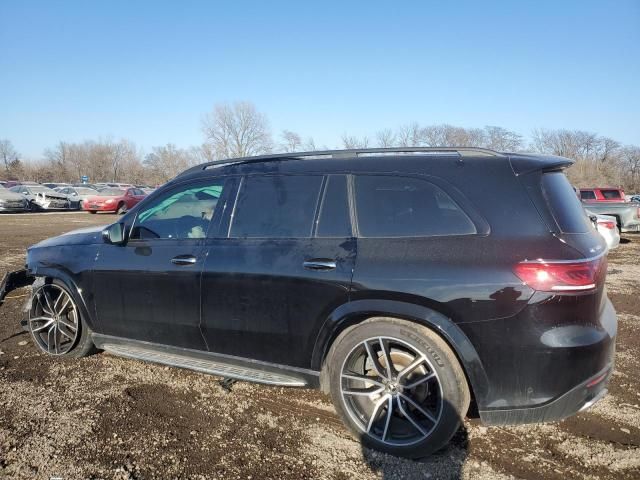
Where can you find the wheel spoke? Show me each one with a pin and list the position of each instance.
(47, 299)
(389, 415)
(418, 407)
(47, 323)
(70, 325)
(70, 335)
(64, 305)
(424, 379)
(384, 345)
(50, 341)
(409, 416)
(365, 392)
(376, 410)
(411, 367)
(42, 305)
(374, 359)
(362, 378)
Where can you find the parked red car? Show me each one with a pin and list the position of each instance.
(113, 200)
(607, 194)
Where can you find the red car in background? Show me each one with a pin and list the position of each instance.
(113, 200)
(605, 194)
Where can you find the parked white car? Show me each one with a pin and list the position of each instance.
(608, 227)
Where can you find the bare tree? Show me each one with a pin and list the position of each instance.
(237, 130)
(410, 135)
(350, 142)
(8, 154)
(310, 145)
(291, 141)
(386, 138)
(501, 139)
(165, 162)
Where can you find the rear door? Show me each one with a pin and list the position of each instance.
(284, 264)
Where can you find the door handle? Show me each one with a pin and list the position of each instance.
(320, 264)
(183, 260)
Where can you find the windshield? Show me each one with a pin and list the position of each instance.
(86, 191)
(111, 192)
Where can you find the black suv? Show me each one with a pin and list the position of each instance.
(413, 285)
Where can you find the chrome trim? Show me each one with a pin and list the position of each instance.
(599, 396)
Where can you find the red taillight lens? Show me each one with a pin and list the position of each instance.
(549, 276)
(610, 224)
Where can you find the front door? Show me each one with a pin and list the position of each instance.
(149, 288)
(285, 264)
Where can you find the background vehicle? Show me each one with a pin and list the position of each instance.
(113, 200)
(40, 197)
(627, 214)
(53, 186)
(607, 226)
(11, 201)
(77, 195)
(608, 194)
(635, 198)
(391, 281)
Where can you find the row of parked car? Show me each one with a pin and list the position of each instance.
(611, 212)
(99, 197)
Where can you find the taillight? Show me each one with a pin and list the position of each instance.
(560, 276)
(610, 224)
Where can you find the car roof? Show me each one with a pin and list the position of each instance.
(383, 159)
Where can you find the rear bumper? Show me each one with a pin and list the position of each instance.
(575, 400)
(13, 280)
(549, 361)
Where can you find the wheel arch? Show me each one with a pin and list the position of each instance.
(47, 275)
(357, 311)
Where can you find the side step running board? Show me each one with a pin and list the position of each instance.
(197, 361)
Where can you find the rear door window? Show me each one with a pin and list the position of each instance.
(276, 206)
(395, 206)
(564, 204)
(334, 219)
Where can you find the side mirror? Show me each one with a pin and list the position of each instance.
(113, 234)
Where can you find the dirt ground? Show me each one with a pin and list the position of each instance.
(104, 417)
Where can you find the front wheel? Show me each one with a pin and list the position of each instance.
(398, 386)
(55, 323)
(122, 209)
(92, 211)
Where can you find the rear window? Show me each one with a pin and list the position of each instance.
(564, 204)
(611, 194)
(394, 206)
(587, 195)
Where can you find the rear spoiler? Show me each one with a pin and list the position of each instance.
(522, 164)
(14, 280)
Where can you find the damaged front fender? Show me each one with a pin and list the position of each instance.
(14, 280)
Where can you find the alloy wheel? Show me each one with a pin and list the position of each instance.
(391, 391)
(53, 320)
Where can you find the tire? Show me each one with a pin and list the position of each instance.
(41, 324)
(122, 209)
(427, 401)
(32, 207)
(80, 205)
(92, 212)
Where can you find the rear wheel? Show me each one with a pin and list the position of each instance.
(92, 211)
(398, 386)
(55, 323)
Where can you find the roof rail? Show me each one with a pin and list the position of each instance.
(358, 152)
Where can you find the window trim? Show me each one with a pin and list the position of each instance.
(478, 221)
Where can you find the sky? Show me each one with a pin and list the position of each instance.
(149, 70)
